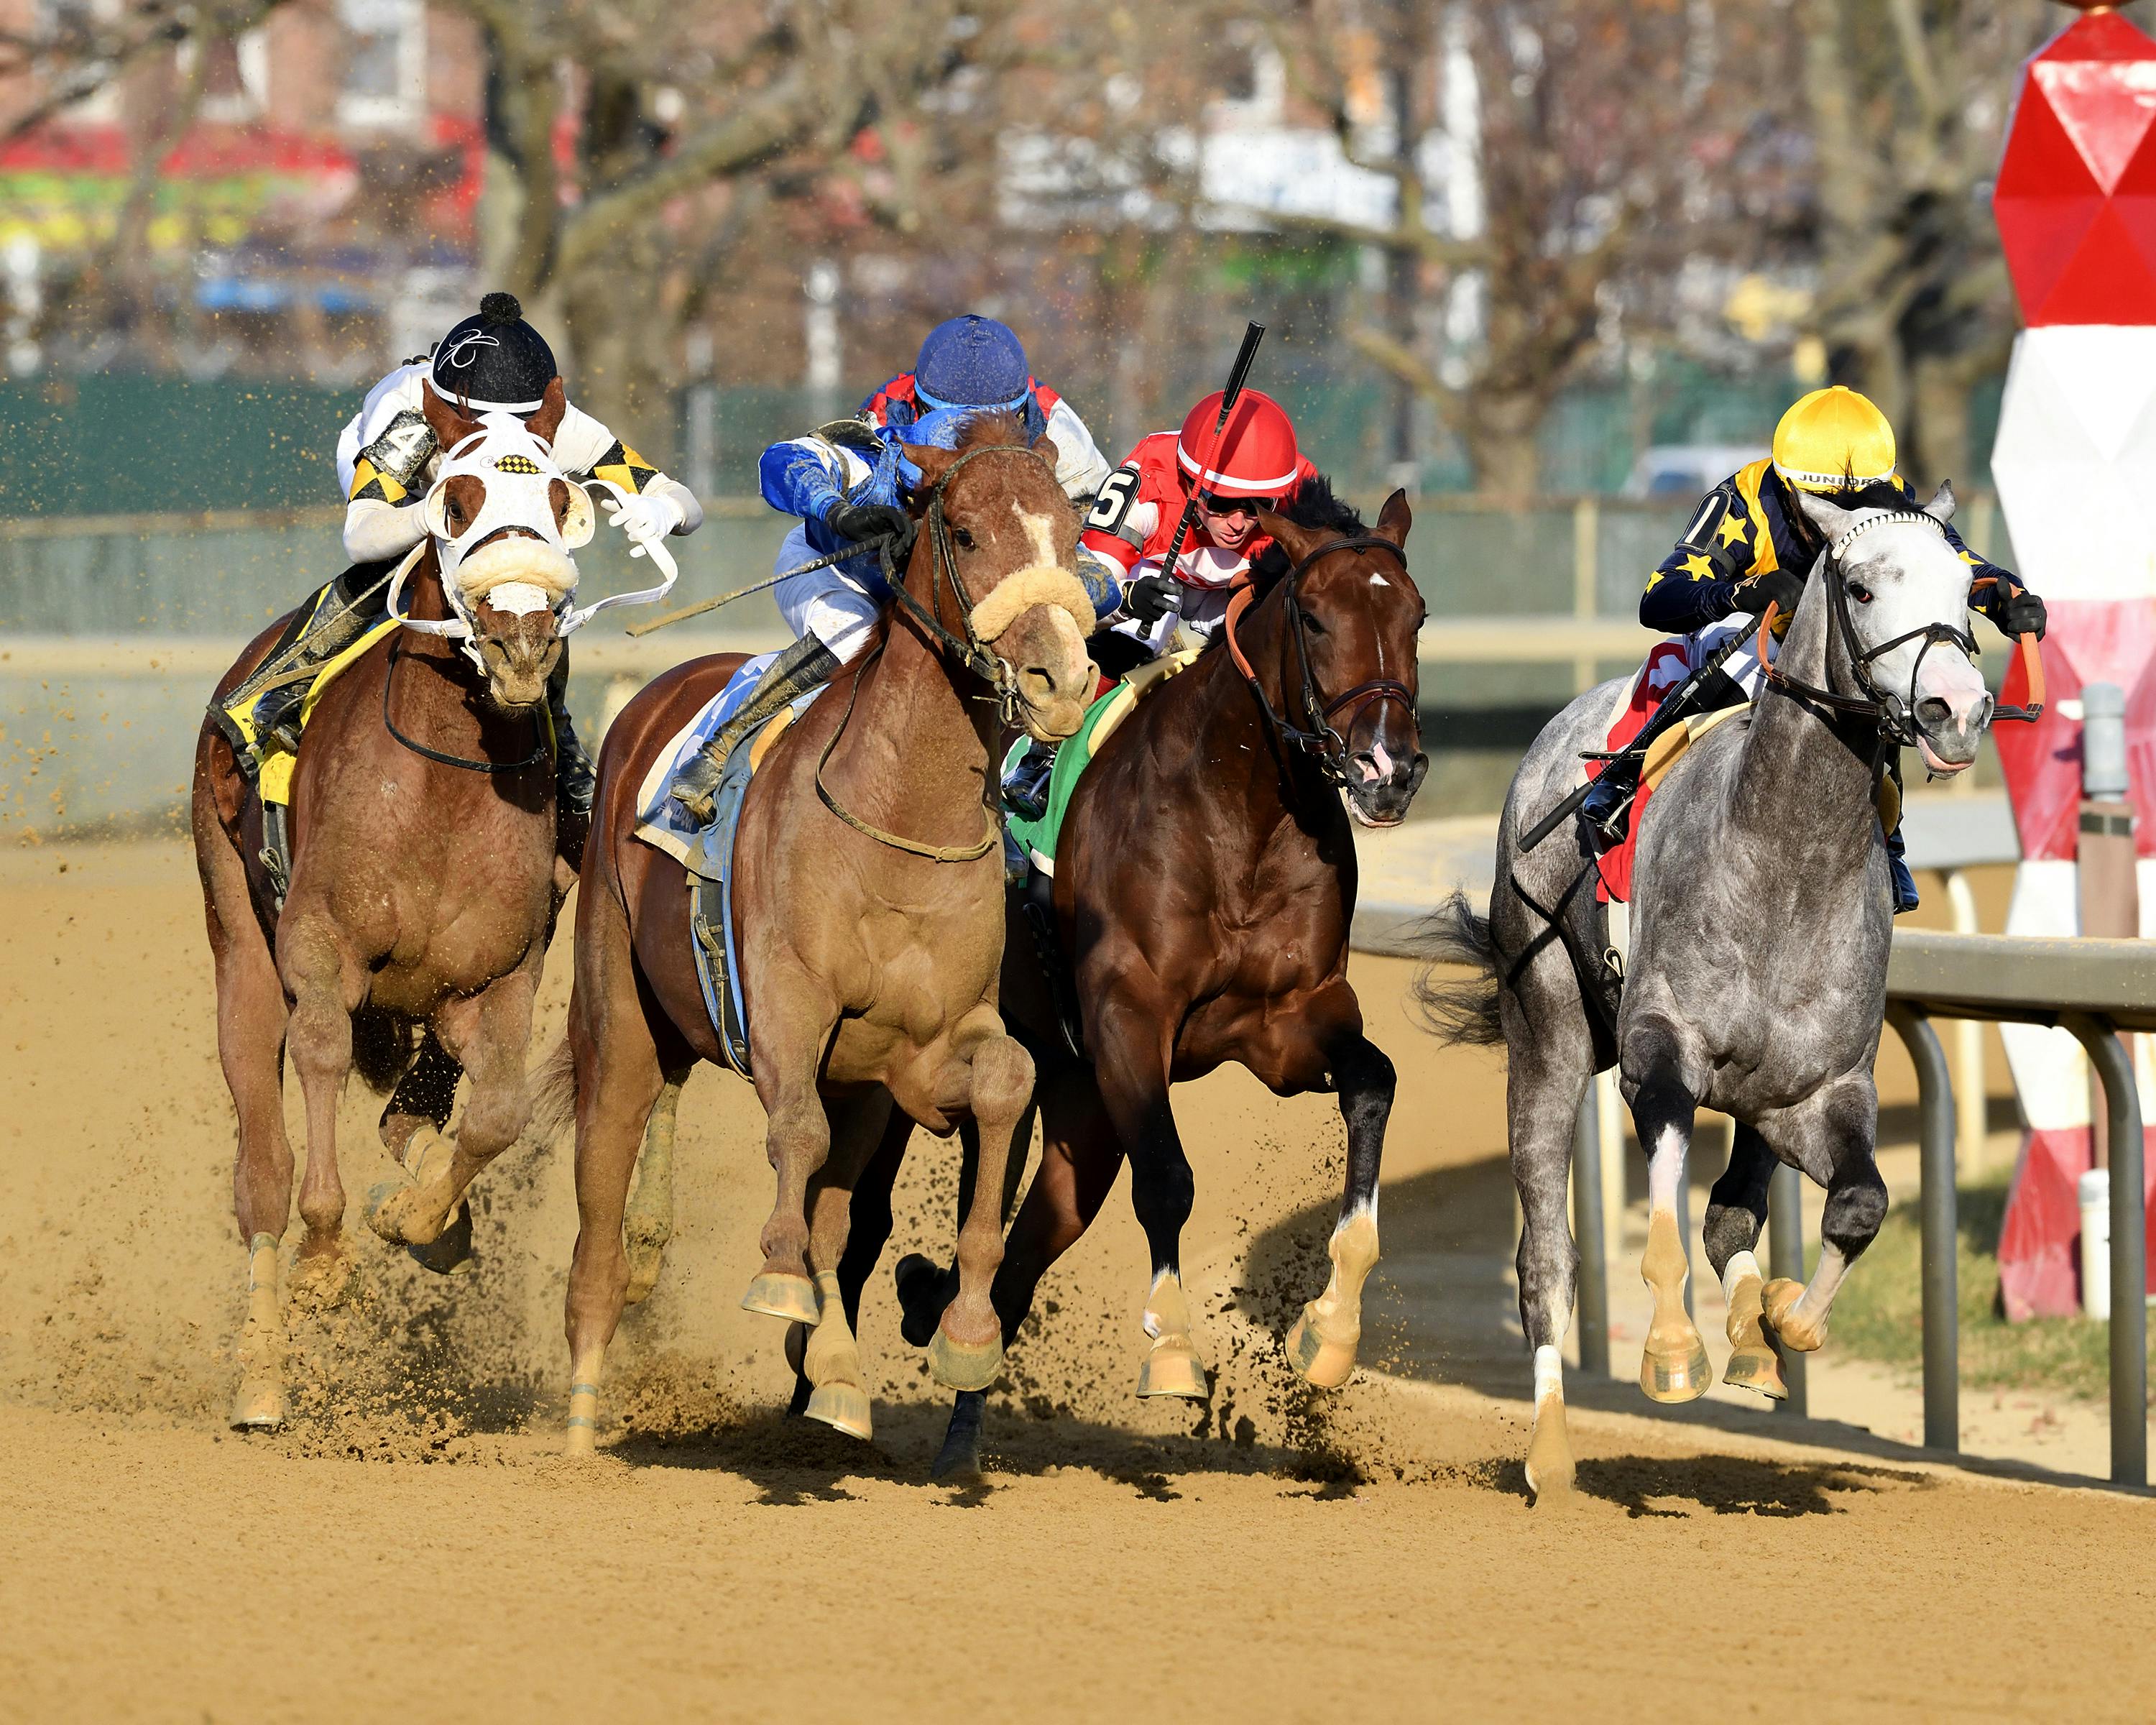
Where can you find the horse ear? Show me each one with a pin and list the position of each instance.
(1941, 508)
(1395, 519)
(546, 420)
(1831, 519)
(1296, 541)
(1045, 447)
(933, 463)
(450, 426)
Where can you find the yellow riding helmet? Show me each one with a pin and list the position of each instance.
(1834, 439)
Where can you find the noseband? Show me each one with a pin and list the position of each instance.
(1318, 738)
(1892, 711)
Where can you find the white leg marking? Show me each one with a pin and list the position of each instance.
(1740, 1265)
(1549, 1374)
(1819, 1292)
(1665, 1171)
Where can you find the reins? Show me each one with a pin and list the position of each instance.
(539, 752)
(972, 653)
(1894, 716)
(1321, 741)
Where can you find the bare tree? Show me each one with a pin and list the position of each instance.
(1908, 113)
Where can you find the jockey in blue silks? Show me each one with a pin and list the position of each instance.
(849, 481)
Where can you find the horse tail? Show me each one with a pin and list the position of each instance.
(1458, 1010)
(553, 1088)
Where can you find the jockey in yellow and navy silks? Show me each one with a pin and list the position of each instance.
(491, 364)
(1749, 541)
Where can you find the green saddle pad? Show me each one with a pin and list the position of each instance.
(1072, 757)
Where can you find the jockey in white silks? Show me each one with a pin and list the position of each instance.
(848, 482)
(491, 364)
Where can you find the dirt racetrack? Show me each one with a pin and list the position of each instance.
(412, 1544)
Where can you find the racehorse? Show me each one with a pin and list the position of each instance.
(422, 886)
(1215, 929)
(868, 892)
(1756, 982)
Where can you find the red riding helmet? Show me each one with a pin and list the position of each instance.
(1254, 455)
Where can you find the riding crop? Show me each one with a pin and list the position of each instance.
(701, 605)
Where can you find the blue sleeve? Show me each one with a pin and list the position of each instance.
(796, 478)
(1696, 584)
(1098, 577)
(2006, 583)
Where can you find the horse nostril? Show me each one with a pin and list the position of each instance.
(1934, 712)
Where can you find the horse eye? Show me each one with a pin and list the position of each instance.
(962, 537)
(1312, 624)
(1859, 592)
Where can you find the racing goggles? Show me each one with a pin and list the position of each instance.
(1217, 503)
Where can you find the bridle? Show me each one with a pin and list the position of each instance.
(1891, 711)
(972, 653)
(1318, 738)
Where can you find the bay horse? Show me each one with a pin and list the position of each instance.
(869, 894)
(1756, 980)
(1204, 887)
(423, 883)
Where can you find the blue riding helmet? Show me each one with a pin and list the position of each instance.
(972, 361)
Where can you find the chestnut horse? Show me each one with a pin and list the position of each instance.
(424, 882)
(1215, 929)
(869, 894)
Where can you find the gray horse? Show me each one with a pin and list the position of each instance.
(1756, 982)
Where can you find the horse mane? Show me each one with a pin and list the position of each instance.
(994, 430)
(1314, 505)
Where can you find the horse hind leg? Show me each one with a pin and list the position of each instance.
(648, 1224)
(1673, 1366)
(1542, 1091)
(415, 1116)
(1735, 1211)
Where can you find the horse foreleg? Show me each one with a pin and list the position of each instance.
(487, 1033)
(649, 1222)
(1830, 1136)
(826, 1358)
(1322, 1342)
(424, 1096)
(325, 991)
(1673, 1367)
(968, 1350)
(1735, 1211)
(250, 1046)
(797, 1140)
(1133, 1044)
(868, 1231)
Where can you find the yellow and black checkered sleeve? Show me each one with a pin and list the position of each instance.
(370, 483)
(623, 466)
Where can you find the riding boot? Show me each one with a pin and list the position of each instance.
(340, 616)
(1897, 870)
(1025, 790)
(575, 777)
(1608, 800)
(803, 666)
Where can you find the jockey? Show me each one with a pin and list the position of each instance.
(1750, 542)
(1254, 464)
(850, 482)
(491, 363)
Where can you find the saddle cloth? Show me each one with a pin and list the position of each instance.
(1038, 838)
(1666, 666)
(707, 852)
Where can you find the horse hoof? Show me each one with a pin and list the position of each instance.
(646, 1257)
(958, 1462)
(1550, 1470)
(843, 1407)
(1318, 1360)
(918, 1280)
(1679, 1376)
(963, 1365)
(321, 1281)
(792, 1298)
(1754, 1366)
(1779, 1297)
(394, 1212)
(1172, 1369)
(451, 1250)
(258, 1404)
(581, 1440)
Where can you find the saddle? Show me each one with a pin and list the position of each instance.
(706, 850)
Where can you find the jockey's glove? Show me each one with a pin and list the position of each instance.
(644, 515)
(1151, 598)
(861, 521)
(1775, 587)
(2022, 615)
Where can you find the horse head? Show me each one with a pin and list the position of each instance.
(1900, 593)
(1355, 612)
(504, 519)
(994, 509)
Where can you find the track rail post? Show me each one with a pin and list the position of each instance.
(1785, 1256)
(2129, 1248)
(1939, 1208)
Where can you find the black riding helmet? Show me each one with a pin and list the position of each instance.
(493, 362)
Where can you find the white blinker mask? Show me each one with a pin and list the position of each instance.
(521, 573)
